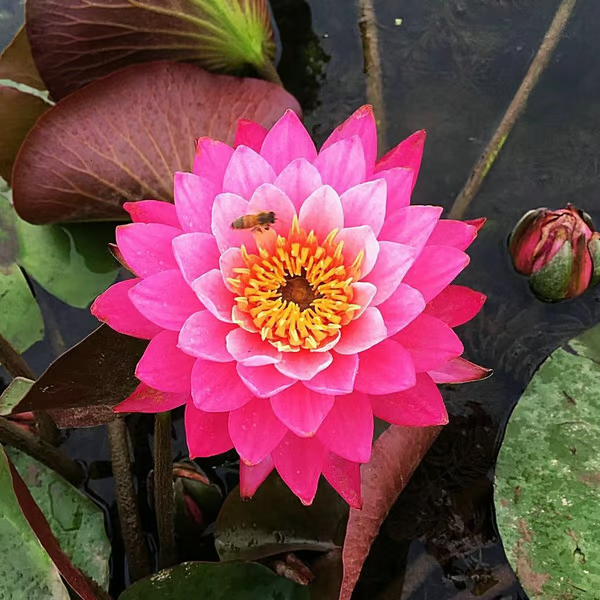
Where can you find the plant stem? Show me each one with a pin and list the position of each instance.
(129, 516)
(514, 111)
(37, 448)
(268, 72)
(163, 490)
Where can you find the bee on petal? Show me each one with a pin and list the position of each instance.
(257, 222)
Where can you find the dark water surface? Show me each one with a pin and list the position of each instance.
(451, 67)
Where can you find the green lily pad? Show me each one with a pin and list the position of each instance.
(548, 476)
(76, 521)
(216, 581)
(27, 571)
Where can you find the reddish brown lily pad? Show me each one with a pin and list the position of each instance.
(17, 63)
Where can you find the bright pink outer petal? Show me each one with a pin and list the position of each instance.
(206, 433)
(286, 141)
(322, 212)
(385, 369)
(211, 159)
(419, 406)
(268, 197)
(252, 476)
(362, 294)
(229, 260)
(431, 342)
(226, 209)
(194, 197)
(477, 223)
(393, 262)
(195, 253)
(434, 269)
(303, 365)
(246, 171)
(360, 123)
(401, 308)
(114, 308)
(250, 349)
(406, 154)
(301, 409)
(337, 378)
(348, 428)
(249, 134)
(211, 290)
(365, 204)
(299, 180)
(344, 478)
(411, 225)
(255, 430)
(299, 462)
(146, 247)
(144, 399)
(459, 370)
(453, 233)
(216, 387)
(166, 299)
(152, 211)
(342, 165)
(399, 187)
(203, 336)
(456, 305)
(362, 333)
(357, 239)
(264, 382)
(164, 366)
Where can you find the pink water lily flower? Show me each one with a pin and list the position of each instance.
(285, 343)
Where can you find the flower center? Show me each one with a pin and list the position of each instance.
(298, 292)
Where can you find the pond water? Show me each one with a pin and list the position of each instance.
(450, 67)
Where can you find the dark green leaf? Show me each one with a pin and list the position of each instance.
(9, 242)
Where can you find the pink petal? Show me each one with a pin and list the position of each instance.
(244, 320)
(268, 198)
(246, 171)
(226, 209)
(249, 134)
(401, 308)
(434, 269)
(456, 305)
(399, 187)
(250, 349)
(322, 212)
(152, 211)
(299, 180)
(264, 382)
(146, 247)
(203, 336)
(194, 197)
(362, 333)
(166, 299)
(229, 260)
(385, 369)
(303, 365)
(164, 366)
(300, 462)
(459, 370)
(411, 226)
(195, 253)
(212, 292)
(255, 430)
(338, 377)
(252, 476)
(477, 223)
(114, 308)
(344, 478)
(365, 204)
(419, 406)
(211, 160)
(286, 141)
(362, 294)
(348, 429)
(342, 165)
(406, 154)
(356, 239)
(216, 387)
(453, 233)
(431, 342)
(206, 433)
(144, 399)
(301, 409)
(393, 262)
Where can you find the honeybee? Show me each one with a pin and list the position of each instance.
(257, 222)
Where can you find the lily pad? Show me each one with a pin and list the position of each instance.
(548, 476)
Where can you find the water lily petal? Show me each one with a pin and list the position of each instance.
(322, 212)
(299, 180)
(407, 153)
(203, 336)
(303, 365)
(344, 478)
(399, 187)
(195, 253)
(338, 377)
(211, 160)
(246, 171)
(411, 225)
(401, 308)
(269, 198)
(206, 433)
(365, 204)
(459, 370)
(152, 211)
(226, 209)
(362, 333)
(251, 476)
(453, 233)
(249, 133)
(362, 294)
(194, 197)
(456, 305)
(145, 399)
(216, 387)
(250, 349)
(357, 239)
(342, 165)
(211, 290)
(264, 382)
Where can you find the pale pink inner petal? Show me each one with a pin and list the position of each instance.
(299, 180)
(243, 319)
(145, 399)
(453, 233)
(365, 204)
(211, 159)
(456, 305)
(229, 260)
(362, 294)
(216, 387)
(211, 291)
(411, 226)
(246, 171)
(152, 211)
(268, 198)
(362, 333)
(226, 209)
(264, 381)
(407, 153)
(249, 133)
(203, 336)
(357, 239)
(303, 365)
(338, 377)
(322, 212)
(194, 197)
(195, 253)
(401, 308)
(344, 478)
(459, 370)
(206, 433)
(250, 349)
(342, 165)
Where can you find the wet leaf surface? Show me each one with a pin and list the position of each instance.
(13, 394)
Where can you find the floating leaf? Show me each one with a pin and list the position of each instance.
(15, 392)
(216, 581)
(16, 63)
(547, 492)
(9, 242)
(83, 159)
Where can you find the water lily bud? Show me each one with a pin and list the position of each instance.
(558, 250)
